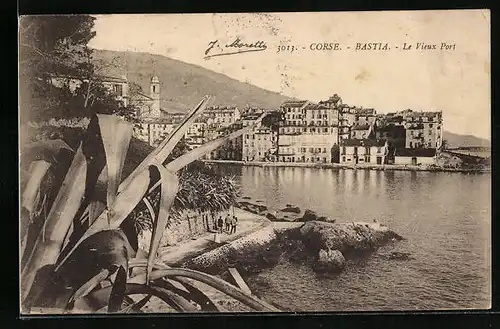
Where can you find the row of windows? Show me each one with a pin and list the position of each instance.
(311, 130)
(304, 149)
(355, 150)
(303, 159)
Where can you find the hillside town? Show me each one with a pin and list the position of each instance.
(329, 131)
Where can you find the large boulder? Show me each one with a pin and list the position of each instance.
(329, 261)
(346, 237)
(309, 215)
(292, 209)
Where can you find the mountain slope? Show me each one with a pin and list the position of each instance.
(182, 85)
(456, 140)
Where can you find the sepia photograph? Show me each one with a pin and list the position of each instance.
(255, 162)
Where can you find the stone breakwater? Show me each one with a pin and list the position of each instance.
(322, 245)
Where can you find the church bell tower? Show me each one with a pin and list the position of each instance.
(154, 92)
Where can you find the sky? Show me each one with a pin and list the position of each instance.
(456, 81)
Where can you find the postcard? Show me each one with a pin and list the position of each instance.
(255, 162)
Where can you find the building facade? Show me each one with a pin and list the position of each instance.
(363, 151)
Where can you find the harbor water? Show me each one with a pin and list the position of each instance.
(445, 219)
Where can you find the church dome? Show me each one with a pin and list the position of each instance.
(155, 79)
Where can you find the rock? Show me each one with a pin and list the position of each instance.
(270, 216)
(246, 197)
(325, 219)
(289, 205)
(295, 210)
(309, 215)
(329, 261)
(346, 237)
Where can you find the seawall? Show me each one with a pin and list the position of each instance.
(353, 167)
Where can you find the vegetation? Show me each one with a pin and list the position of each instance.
(84, 234)
(83, 200)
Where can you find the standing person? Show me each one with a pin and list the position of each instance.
(228, 222)
(205, 218)
(220, 224)
(234, 222)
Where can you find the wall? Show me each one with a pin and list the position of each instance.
(400, 160)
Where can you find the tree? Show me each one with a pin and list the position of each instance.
(444, 144)
(59, 77)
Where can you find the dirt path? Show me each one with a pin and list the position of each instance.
(247, 223)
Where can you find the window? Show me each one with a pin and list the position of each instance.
(343, 159)
(118, 89)
(430, 125)
(311, 150)
(324, 149)
(343, 150)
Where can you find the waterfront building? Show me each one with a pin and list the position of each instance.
(195, 135)
(415, 156)
(347, 117)
(365, 116)
(222, 115)
(363, 131)
(309, 131)
(424, 129)
(258, 144)
(232, 149)
(363, 151)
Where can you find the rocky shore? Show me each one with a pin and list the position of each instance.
(322, 245)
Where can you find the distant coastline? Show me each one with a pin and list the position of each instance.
(357, 167)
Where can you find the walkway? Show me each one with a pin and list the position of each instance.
(247, 223)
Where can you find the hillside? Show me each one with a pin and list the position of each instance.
(456, 140)
(183, 85)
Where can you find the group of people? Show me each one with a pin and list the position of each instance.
(230, 223)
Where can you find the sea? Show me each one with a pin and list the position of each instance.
(444, 217)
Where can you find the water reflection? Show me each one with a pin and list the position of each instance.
(445, 218)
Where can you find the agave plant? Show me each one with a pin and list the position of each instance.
(81, 234)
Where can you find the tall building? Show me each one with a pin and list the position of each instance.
(309, 131)
(223, 116)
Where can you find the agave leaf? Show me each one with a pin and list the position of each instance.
(86, 288)
(98, 299)
(30, 191)
(203, 300)
(43, 150)
(126, 201)
(136, 306)
(160, 154)
(169, 188)
(58, 221)
(116, 134)
(118, 290)
(214, 282)
(198, 152)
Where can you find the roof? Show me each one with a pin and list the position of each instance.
(141, 95)
(415, 152)
(360, 127)
(217, 109)
(361, 111)
(363, 142)
(293, 103)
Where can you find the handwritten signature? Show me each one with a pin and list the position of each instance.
(236, 47)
